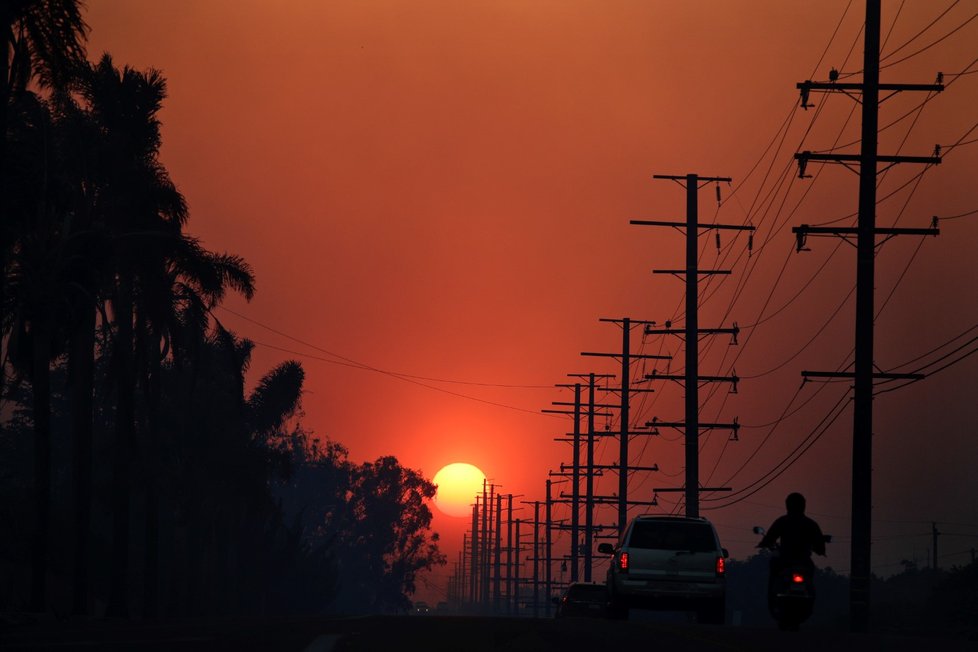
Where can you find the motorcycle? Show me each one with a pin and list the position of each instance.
(791, 588)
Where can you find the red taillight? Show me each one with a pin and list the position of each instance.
(721, 566)
(623, 561)
(797, 578)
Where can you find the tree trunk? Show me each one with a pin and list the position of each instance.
(124, 434)
(151, 560)
(81, 375)
(41, 388)
(4, 219)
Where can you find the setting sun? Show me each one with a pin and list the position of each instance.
(458, 484)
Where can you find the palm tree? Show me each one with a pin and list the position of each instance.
(42, 275)
(172, 304)
(138, 208)
(44, 40)
(78, 141)
(160, 277)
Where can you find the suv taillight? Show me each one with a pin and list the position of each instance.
(721, 566)
(623, 562)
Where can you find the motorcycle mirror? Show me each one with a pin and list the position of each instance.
(758, 529)
(726, 554)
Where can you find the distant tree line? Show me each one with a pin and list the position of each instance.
(138, 477)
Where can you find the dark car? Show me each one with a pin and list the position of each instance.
(583, 599)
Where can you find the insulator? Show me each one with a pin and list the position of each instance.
(804, 98)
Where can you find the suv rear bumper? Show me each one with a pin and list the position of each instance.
(653, 592)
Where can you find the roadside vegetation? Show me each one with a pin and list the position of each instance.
(139, 477)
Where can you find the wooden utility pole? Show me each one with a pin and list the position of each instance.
(497, 563)
(474, 547)
(866, 231)
(516, 570)
(509, 552)
(576, 545)
(536, 559)
(691, 273)
(627, 358)
(548, 582)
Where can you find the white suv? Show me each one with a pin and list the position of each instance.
(670, 563)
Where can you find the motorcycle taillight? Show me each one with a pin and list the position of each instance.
(797, 578)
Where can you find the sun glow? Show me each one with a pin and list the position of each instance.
(458, 484)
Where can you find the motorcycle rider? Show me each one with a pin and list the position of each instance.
(799, 537)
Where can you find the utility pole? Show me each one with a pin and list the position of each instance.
(692, 331)
(866, 232)
(536, 559)
(627, 357)
(589, 483)
(487, 539)
(516, 570)
(575, 476)
(576, 468)
(509, 552)
(497, 579)
(474, 547)
(463, 572)
(483, 547)
(547, 573)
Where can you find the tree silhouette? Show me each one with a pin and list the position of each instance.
(44, 40)
(375, 519)
(107, 313)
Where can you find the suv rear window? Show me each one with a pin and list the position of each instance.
(663, 535)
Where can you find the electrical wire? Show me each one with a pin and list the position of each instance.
(920, 33)
(788, 461)
(930, 45)
(349, 362)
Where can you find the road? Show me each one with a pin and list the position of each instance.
(443, 634)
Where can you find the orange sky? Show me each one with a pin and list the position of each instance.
(443, 189)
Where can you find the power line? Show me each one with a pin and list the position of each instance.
(932, 44)
(349, 362)
(921, 32)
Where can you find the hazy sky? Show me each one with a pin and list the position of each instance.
(441, 190)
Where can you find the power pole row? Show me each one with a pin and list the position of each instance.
(482, 580)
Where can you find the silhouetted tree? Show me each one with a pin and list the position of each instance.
(42, 284)
(43, 40)
(140, 208)
(375, 519)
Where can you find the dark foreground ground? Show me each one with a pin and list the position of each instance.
(446, 634)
